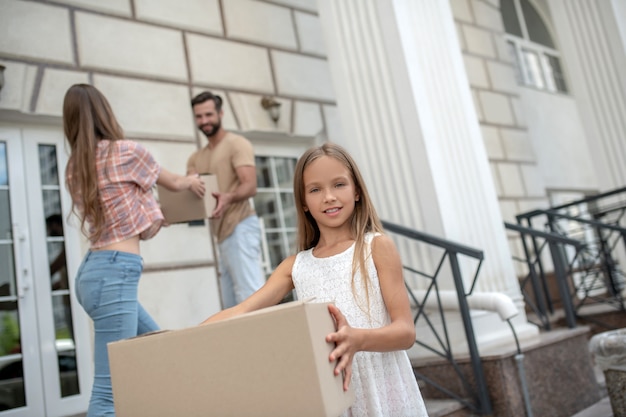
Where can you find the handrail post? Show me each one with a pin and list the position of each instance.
(561, 280)
(608, 263)
(538, 290)
(483, 397)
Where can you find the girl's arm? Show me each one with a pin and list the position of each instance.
(175, 182)
(399, 334)
(274, 290)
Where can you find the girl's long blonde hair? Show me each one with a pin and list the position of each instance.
(364, 218)
(87, 119)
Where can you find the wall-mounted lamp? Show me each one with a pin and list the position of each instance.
(1, 76)
(272, 106)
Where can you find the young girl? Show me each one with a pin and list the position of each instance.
(345, 259)
(110, 181)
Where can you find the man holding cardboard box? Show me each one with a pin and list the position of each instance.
(234, 222)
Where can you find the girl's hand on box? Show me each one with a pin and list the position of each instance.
(346, 345)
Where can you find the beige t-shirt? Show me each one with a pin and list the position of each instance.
(231, 152)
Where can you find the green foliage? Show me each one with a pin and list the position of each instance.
(9, 334)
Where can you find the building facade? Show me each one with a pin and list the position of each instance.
(461, 114)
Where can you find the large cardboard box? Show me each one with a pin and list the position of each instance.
(269, 363)
(185, 206)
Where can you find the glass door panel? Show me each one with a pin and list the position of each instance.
(59, 284)
(275, 206)
(11, 369)
(66, 369)
(20, 386)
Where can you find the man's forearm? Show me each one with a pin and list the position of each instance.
(243, 192)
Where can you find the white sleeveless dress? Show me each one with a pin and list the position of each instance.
(383, 382)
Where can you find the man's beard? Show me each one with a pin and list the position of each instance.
(210, 130)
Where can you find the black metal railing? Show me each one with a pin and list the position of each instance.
(595, 271)
(446, 265)
(534, 283)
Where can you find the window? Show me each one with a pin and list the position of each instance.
(275, 206)
(531, 46)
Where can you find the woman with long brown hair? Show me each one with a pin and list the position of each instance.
(110, 180)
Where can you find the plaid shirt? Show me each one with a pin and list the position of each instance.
(126, 176)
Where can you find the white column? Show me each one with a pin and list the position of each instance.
(409, 120)
(592, 41)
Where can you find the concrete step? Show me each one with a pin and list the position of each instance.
(446, 408)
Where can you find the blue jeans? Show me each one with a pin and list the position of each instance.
(106, 287)
(240, 262)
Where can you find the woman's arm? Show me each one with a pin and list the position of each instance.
(175, 182)
(274, 290)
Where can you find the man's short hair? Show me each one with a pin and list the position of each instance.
(206, 96)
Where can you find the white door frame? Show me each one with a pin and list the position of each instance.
(41, 372)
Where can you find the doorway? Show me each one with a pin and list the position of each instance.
(45, 351)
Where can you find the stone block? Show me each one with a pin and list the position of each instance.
(517, 145)
(118, 7)
(502, 77)
(309, 5)
(504, 50)
(197, 15)
(334, 129)
(518, 112)
(35, 31)
(149, 109)
(129, 47)
(479, 41)
(476, 72)
(496, 108)
(310, 34)
(461, 10)
(54, 85)
(510, 176)
(487, 15)
(307, 119)
(303, 76)
(533, 182)
(492, 141)
(229, 64)
(260, 22)
(19, 82)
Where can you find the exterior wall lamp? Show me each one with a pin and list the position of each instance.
(272, 106)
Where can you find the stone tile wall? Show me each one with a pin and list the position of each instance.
(151, 56)
(491, 74)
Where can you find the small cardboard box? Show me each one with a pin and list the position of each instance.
(185, 206)
(272, 362)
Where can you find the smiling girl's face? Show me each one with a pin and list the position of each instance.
(329, 192)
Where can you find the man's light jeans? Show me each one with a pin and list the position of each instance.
(240, 262)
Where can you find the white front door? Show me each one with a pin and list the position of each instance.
(45, 350)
